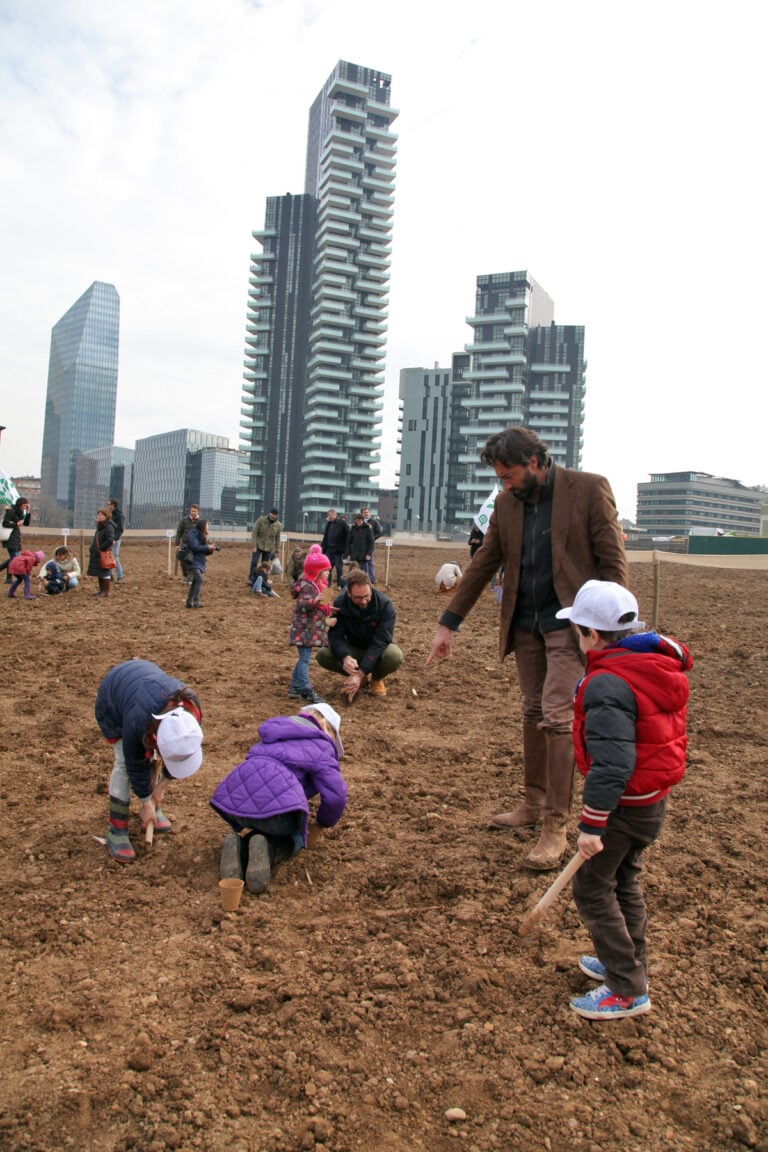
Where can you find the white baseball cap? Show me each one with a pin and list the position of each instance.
(604, 606)
(179, 739)
(333, 718)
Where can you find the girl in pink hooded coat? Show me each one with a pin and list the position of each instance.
(308, 623)
(20, 568)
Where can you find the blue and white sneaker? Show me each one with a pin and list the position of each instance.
(592, 967)
(602, 1004)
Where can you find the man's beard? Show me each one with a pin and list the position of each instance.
(530, 487)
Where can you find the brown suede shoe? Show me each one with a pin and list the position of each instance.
(526, 816)
(549, 851)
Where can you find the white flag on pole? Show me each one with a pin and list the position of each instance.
(8, 491)
(483, 515)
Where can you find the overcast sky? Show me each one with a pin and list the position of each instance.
(615, 151)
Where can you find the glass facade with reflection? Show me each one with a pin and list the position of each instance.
(167, 471)
(82, 388)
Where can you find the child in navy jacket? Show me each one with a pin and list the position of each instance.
(630, 744)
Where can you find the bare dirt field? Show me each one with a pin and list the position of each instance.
(381, 980)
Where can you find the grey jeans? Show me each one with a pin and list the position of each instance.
(609, 898)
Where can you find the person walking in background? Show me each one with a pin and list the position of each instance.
(552, 528)
(630, 742)
(265, 799)
(118, 519)
(476, 538)
(183, 529)
(14, 518)
(308, 622)
(334, 545)
(361, 642)
(199, 549)
(374, 524)
(142, 710)
(21, 568)
(360, 543)
(100, 550)
(265, 541)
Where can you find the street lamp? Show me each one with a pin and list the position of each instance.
(303, 525)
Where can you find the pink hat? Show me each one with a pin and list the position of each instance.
(39, 556)
(316, 562)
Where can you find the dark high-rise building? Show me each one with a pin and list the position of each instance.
(316, 332)
(82, 388)
(521, 368)
(276, 340)
(430, 474)
(525, 369)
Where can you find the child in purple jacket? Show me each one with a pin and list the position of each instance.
(265, 798)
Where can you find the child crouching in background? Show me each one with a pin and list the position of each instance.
(265, 798)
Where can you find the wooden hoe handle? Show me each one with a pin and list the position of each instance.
(536, 914)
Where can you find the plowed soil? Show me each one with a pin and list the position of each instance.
(381, 981)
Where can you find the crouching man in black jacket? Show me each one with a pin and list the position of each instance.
(361, 646)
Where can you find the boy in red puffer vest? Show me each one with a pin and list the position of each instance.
(630, 743)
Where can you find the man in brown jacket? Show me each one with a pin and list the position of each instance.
(552, 528)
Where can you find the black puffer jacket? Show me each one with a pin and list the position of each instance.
(360, 543)
(14, 519)
(371, 628)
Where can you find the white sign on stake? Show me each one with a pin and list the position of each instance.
(169, 532)
(389, 542)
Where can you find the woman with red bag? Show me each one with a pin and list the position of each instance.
(101, 552)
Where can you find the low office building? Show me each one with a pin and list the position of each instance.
(167, 471)
(100, 475)
(692, 503)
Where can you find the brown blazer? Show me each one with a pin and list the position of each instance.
(586, 545)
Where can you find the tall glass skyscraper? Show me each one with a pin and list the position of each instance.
(82, 388)
(316, 331)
